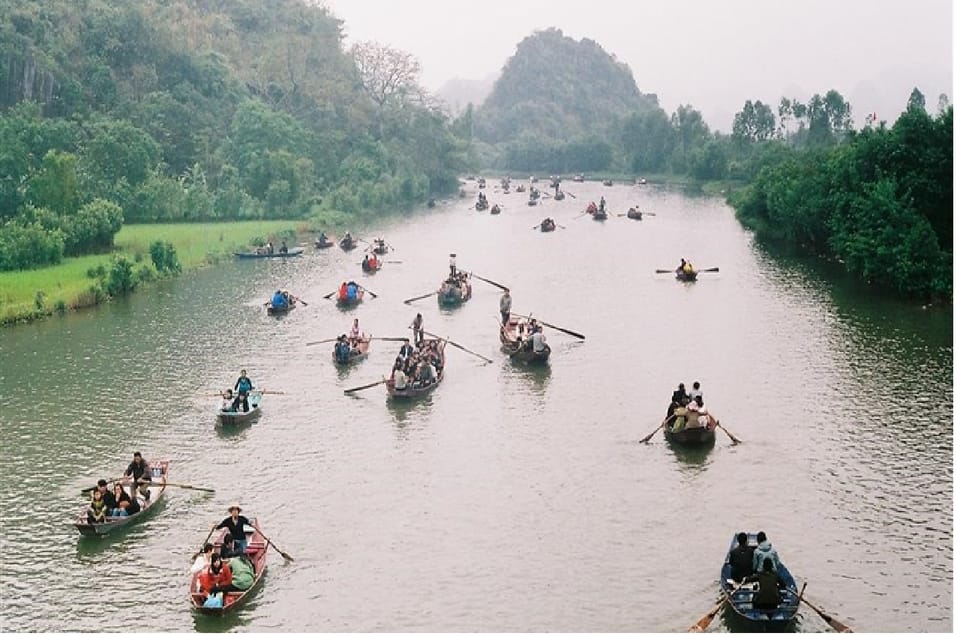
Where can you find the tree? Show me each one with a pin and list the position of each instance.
(754, 123)
(55, 186)
(388, 76)
(916, 100)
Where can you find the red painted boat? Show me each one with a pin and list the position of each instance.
(256, 553)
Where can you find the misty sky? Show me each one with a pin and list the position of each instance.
(712, 54)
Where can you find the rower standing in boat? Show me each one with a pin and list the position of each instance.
(603, 205)
(506, 303)
(355, 333)
(235, 526)
(283, 247)
(453, 265)
(243, 387)
(417, 327)
(138, 471)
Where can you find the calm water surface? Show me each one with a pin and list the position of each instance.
(512, 499)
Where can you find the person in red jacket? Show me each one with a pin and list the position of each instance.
(217, 577)
(342, 293)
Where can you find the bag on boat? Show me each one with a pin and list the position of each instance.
(214, 601)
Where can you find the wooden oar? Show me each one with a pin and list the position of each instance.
(570, 194)
(392, 261)
(187, 486)
(557, 328)
(390, 339)
(701, 625)
(463, 348)
(834, 623)
(375, 296)
(663, 270)
(269, 392)
(329, 295)
(729, 434)
(500, 286)
(420, 297)
(323, 341)
(715, 269)
(200, 552)
(282, 554)
(647, 438)
(365, 386)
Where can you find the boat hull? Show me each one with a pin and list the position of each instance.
(350, 303)
(257, 547)
(414, 392)
(687, 277)
(158, 473)
(294, 252)
(363, 346)
(453, 296)
(229, 417)
(517, 354)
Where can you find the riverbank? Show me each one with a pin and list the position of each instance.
(30, 295)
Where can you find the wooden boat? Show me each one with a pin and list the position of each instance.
(740, 601)
(482, 183)
(481, 205)
(380, 247)
(281, 310)
(348, 243)
(454, 293)
(358, 353)
(365, 265)
(683, 429)
(599, 215)
(533, 201)
(158, 473)
(259, 253)
(559, 195)
(641, 181)
(521, 188)
(230, 417)
(687, 277)
(256, 553)
(323, 242)
(411, 391)
(346, 302)
(578, 177)
(634, 214)
(509, 344)
(495, 210)
(548, 225)
(608, 182)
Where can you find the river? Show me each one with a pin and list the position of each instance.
(511, 499)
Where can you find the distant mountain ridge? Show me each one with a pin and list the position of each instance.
(457, 93)
(555, 86)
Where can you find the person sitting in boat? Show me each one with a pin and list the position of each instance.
(372, 262)
(538, 341)
(243, 387)
(352, 290)
(425, 374)
(138, 471)
(97, 510)
(406, 351)
(283, 247)
(696, 392)
(227, 400)
(278, 300)
(322, 239)
(767, 595)
(228, 547)
(235, 524)
(342, 291)
(399, 377)
(203, 559)
(347, 239)
(341, 350)
(682, 268)
(355, 332)
(741, 559)
(764, 550)
(242, 571)
(121, 500)
(216, 578)
(591, 208)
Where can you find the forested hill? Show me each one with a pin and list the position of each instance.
(555, 87)
(199, 109)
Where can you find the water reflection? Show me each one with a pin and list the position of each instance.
(692, 460)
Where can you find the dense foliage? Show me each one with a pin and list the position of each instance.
(882, 203)
(150, 110)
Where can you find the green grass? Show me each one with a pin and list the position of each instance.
(68, 283)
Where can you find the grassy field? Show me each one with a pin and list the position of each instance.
(66, 285)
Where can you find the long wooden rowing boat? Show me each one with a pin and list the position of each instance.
(230, 417)
(481, 205)
(740, 600)
(158, 475)
(365, 265)
(380, 247)
(451, 295)
(347, 243)
(281, 310)
(495, 210)
(322, 243)
(683, 428)
(687, 277)
(294, 252)
(412, 391)
(346, 302)
(511, 344)
(599, 215)
(357, 353)
(256, 553)
(634, 214)
(548, 225)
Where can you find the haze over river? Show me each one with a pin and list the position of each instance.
(511, 499)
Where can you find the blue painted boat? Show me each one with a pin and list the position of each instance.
(740, 600)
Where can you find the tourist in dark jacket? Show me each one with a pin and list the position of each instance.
(235, 526)
(741, 559)
(768, 595)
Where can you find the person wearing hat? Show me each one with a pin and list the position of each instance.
(506, 303)
(235, 526)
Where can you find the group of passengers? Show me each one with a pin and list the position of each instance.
(116, 501)
(227, 567)
(348, 344)
(348, 291)
(759, 564)
(242, 387)
(417, 367)
(686, 409)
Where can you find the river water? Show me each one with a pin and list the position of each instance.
(511, 499)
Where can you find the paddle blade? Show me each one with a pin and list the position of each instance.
(715, 269)
(364, 387)
(704, 622)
